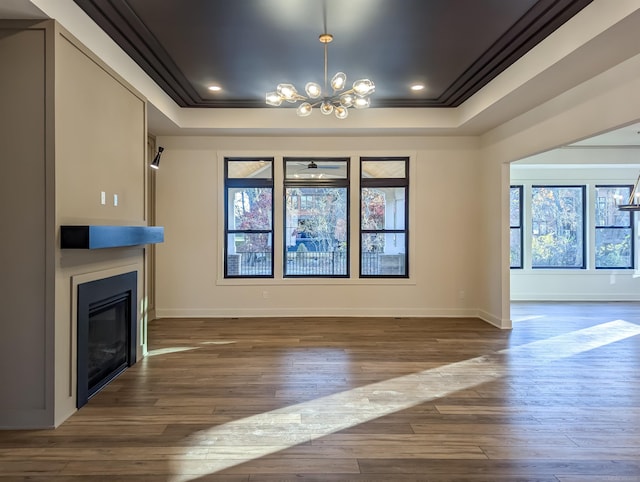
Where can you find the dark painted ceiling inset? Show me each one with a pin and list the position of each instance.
(453, 47)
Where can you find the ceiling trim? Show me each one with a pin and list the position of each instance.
(538, 23)
(141, 45)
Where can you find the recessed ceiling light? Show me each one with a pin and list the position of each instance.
(215, 88)
(417, 87)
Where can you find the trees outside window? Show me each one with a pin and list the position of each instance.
(384, 184)
(557, 227)
(613, 228)
(515, 222)
(316, 231)
(249, 218)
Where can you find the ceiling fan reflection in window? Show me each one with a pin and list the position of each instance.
(310, 169)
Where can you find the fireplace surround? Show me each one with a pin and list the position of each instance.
(106, 329)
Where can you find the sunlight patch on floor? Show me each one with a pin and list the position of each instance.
(174, 349)
(526, 318)
(263, 434)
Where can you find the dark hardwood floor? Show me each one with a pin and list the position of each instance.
(556, 399)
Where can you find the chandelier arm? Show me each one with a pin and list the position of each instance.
(633, 192)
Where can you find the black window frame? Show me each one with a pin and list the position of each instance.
(583, 190)
(246, 183)
(380, 182)
(520, 226)
(630, 226)
(316, 183)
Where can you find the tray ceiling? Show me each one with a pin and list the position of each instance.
(247, 47)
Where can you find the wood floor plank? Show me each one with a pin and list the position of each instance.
(509, 468)
(557, 399)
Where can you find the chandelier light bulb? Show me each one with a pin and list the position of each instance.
(363, 87)
(361, 103)
(313, 90)
(326, 108)
(304, 109)
(341, 112)
(338, 81)
(273, 99)
(288, 92)
(347, 99)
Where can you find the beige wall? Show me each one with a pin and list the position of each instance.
(459, 208)
(443, 227)
(25, 264)
(461, 179)
(69, 140)
(100, 146)
(600, 104)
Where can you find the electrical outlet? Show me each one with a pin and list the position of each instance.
(115, 199)
(265, 294)
(103, 198)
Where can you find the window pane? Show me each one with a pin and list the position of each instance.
(317, 169)
(384, 168)
(607, 200)
(516, 248)
(383, 254)
(383, 217)
(383, 208)
(515, 203)
(316, 231)
(249, 208)
(249, 254)
(248, 218)
(557, 227)
(613, 248)
(249, 169)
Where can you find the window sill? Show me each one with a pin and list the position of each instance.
(315, 281)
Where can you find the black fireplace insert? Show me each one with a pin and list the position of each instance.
(106, 332)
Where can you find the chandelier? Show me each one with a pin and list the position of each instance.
(338, 101)
(633, 203)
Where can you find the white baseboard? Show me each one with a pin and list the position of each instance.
(333, 312)
(574, 297)
(503, 324)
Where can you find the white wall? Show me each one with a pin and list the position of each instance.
(443, 226)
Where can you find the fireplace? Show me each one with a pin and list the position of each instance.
(106, 332)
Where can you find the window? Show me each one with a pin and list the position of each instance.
(557, 227)
(249, 218)
(384, 185)
(614, 228)
(316, 230)
(515, 224)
